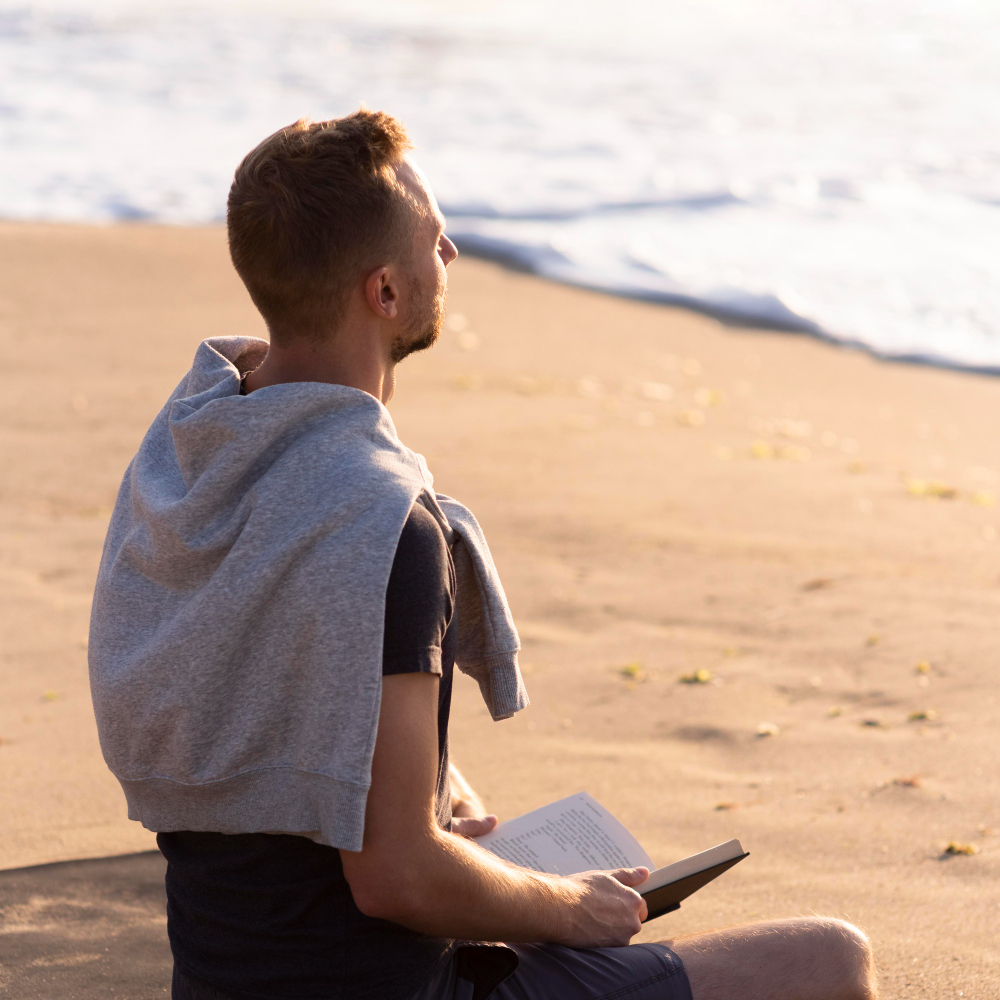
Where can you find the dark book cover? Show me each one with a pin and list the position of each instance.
(669, 897)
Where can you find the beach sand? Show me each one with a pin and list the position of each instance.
(808, 531)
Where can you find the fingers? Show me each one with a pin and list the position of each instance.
(469, 826)
(630, 876)
(487, 824)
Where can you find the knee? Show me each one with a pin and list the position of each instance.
(850, 950)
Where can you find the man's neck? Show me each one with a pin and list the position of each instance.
(344, 359)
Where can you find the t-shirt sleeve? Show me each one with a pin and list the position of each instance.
(419, 599)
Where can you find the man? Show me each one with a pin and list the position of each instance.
(279, 609)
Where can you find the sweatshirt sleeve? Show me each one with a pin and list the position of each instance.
(488, 642)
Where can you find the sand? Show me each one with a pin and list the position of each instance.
(797, 525)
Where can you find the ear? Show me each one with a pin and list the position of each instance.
(381, 293)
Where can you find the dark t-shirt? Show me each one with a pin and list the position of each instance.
(271, 915)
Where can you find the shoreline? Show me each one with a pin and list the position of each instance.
(511, 260)
(811, 531)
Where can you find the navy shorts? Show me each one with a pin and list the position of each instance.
(534, 972)
(553, 972)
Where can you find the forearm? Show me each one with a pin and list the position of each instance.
(448, 887)
(413, 873)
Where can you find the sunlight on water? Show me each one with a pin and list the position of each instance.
(832, 166)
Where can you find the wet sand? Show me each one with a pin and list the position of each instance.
(808, 535)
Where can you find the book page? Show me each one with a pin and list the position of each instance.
(575, 834)
(689, 866)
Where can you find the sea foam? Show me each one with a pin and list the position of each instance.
(829, 167)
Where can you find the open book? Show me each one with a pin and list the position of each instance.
(578, 834)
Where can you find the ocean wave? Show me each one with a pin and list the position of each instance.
(832, 169)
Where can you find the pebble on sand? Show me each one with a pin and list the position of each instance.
(700, 676)
(930, 489)
(955, 848)
(767, 729)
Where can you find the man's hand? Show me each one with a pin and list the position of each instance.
(473, 826)
(608, 911)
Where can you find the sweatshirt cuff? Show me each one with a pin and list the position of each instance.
(502, 688)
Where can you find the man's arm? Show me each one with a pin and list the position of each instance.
(414, 873)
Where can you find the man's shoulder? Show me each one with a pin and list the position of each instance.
(421, 540)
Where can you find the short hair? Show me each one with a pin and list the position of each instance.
(313, 207)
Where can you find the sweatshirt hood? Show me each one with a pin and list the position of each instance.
(194, 488)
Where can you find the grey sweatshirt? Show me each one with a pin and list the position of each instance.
(236, 631)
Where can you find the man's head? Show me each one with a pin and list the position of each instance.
(326, 215)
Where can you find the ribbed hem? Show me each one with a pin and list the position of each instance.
(502, 688)
(279, 799)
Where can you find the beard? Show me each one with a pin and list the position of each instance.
(425, 327)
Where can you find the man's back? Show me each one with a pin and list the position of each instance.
(286, 895)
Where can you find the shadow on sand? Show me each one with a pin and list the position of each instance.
(85, 930)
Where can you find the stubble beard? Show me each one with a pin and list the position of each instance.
(425, 328)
